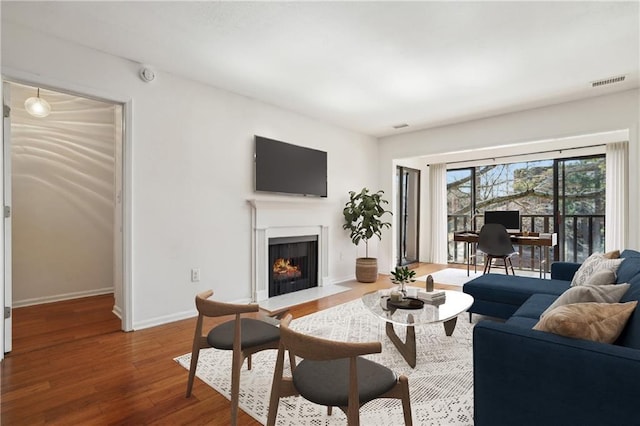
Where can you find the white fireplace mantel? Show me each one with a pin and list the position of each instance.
(272, 219)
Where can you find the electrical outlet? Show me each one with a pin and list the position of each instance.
(195, 275)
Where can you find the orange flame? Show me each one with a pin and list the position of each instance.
(283, 267)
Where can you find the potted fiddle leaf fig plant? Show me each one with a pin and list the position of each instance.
(363, 219)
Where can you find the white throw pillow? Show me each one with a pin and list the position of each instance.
(594, 263)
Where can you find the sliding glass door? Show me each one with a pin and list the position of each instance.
(581, 206)
(565, 195)
(460, 209)
(408, 215)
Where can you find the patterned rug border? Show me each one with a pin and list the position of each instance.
(441, 385)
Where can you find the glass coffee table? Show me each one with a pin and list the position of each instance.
(446, 312)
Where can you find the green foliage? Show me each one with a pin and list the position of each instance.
(528, 187)
(402, 274)
(362, 216)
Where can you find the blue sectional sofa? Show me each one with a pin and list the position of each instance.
(529, 377)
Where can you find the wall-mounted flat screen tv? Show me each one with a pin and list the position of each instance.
(290, 169)
(509, 218)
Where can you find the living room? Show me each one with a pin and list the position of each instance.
(189, 156)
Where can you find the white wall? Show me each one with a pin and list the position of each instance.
(517, 133)
(192, 166)
(62, 198)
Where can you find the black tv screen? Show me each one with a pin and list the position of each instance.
(290, 169)
(509, 218)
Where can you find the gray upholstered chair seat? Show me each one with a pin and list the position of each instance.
(327, 382)
(254, 333)
(334, 374)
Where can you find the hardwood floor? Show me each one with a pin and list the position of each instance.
(64, 372)
(41, 326)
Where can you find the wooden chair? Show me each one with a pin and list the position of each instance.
(334, 374)
(244, 336)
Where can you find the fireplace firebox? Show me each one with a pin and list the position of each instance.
(293, 263)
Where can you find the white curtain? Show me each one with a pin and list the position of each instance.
(617, 183)
(438, 205)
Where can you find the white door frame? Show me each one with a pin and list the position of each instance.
(5, 250)
(18, 76)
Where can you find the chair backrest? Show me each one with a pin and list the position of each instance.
(318, 349)
(494, 240)
(212, 308)
(314, 349)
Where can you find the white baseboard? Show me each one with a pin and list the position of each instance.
(117, 311)
(344, 279)
(165, 319)
(61, 297)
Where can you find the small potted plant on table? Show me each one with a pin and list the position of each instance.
(402, 276)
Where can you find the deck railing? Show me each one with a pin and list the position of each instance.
(580, 236)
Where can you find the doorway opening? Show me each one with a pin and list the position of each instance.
(408, 215)
(63, 184)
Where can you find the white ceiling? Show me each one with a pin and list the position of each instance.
(367, 66)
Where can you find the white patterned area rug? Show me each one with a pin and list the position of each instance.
(441, 385)
(452, 276)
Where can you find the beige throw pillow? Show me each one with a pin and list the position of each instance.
(594, 263)
(589, 293)
(604, 277)
(600, 322)
(614, 254)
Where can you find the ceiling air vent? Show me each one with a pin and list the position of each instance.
(611, 80)
(400, 126)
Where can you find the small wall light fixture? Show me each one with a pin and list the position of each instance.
(37, 106)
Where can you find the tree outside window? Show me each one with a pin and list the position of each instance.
(576, 185)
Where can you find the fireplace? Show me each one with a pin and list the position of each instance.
(275, 219)
(293, 264)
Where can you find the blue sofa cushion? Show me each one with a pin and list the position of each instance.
(564, 270)
(535, 306)
(527, 377)
(522, 322)
(492, 309)
(512, 290)
(630, 336)
(629, 268)
(629, 253)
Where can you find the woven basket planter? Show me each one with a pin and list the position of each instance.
(367, 269)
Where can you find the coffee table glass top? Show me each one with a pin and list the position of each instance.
(455, 303)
